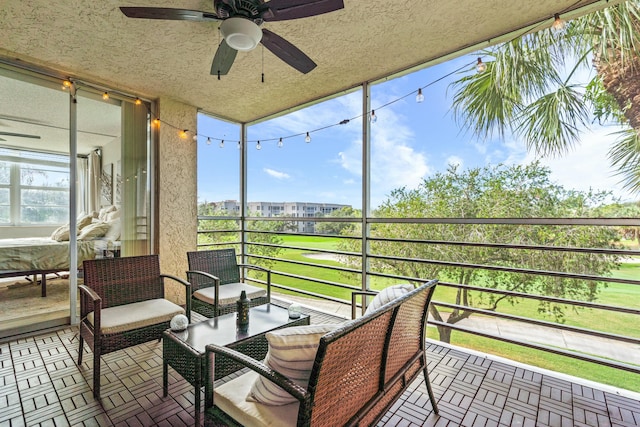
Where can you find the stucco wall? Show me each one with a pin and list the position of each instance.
(177, 201)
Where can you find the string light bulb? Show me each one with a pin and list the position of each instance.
(280, 143)
(156, 122)
(195, 137)
(221, 145)
(208, 140)
(307, 138)
(105, 96)
(373, 118)
(558, 23)
(66, 84)
(138, 101)
(258, 146)
(239, 146)
(183, 134)
(419, 96)
(481, 66)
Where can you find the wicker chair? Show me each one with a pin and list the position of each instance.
(216, 283)
(360, 370)
(122, 304)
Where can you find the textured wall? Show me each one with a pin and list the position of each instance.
(177, 201)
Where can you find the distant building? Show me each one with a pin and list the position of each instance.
(289, 209)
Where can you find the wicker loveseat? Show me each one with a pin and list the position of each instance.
(360, 369)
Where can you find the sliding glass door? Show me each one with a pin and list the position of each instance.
(74, 185)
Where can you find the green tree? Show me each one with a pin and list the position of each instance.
(338, 228)
(489, 192)
(217, 226)
(529, 87)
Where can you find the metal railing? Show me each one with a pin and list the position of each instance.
(375, 267)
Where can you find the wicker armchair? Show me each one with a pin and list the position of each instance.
(360, 370)
(216, 283)
(122, 304)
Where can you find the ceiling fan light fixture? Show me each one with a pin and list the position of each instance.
(241, 34)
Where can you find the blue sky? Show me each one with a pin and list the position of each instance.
(410, 142)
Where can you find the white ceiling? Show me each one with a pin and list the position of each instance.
(365, 41)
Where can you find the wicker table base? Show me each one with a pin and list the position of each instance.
(185, 351)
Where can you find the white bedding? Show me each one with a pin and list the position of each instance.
(32, 253)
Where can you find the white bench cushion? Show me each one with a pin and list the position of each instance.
(114, 320)
(229, 293)
(387, 295)
(231, 397)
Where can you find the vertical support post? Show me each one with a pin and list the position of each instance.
(243, 194)
(366, 185)
(73, 191)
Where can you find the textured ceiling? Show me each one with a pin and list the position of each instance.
(365, 41)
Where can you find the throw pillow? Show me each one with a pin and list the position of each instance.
(292, 352)
(93, 231)
(61, 234)
(113, 233)
(387, 295)
(84, 221)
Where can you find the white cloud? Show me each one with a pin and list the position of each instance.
(276, 174)
(584, 168)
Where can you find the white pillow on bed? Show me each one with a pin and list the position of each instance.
(93, 231)
(61, 234)
(113, 233)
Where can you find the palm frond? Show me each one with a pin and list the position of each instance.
(625, 156)
(551, 124)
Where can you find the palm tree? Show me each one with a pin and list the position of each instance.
(529, 87)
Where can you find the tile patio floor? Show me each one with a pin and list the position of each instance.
(40, 385)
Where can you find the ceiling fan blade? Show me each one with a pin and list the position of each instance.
(223, 60)
(20, 135)
(168, 13)
(282, 10)
(287, 52)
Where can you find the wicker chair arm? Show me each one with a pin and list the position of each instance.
(288, 385)
(353, 300)
(202, 273)
(90, 292)
(177, 279)
(255, 267)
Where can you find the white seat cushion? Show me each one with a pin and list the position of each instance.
(292, 352)
(229, 293)
(114, 320)
(231, 397)
(387, 295)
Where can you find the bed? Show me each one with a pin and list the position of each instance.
(45, 255)
(34, 256)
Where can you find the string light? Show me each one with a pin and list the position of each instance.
(258, 146)
(156, 122)
(481, 66)
(280, 143)
(373, 118)
(105, 96)
(419, 96)
(138, 101)
(66, 84)
(307, 138)
(221, 145)
(239, 146)
(183, 134)
(558, 23)
(208, 140)
(195, 137)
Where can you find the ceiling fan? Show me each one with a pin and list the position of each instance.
(240, 27)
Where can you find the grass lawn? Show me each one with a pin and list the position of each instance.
(614, 294)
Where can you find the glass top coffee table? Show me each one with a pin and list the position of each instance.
(185, 351)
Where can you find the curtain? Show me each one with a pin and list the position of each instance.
(82, 193)
(93, 182)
